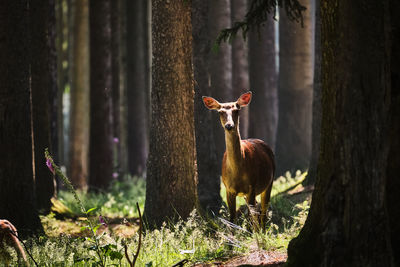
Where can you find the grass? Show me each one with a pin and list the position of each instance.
(119, 202)
(195, 239)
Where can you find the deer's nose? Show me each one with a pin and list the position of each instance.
(229, 126)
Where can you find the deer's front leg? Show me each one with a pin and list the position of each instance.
(251, 204)
(231, 199)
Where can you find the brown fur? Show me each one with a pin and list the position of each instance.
(248, 166)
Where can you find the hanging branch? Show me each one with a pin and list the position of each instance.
(258, 13)
(26, 249)
(135, 256)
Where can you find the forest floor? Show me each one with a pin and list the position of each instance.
(66, 224)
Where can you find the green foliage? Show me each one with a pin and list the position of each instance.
(118, 202)
(197, 239)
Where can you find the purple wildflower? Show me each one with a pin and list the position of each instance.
(115, 175)
(116, 140)
(102, 221)
(50, 166)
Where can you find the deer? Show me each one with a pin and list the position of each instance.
(248, 166)
(9, 236)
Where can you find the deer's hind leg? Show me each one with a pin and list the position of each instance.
(265, 197)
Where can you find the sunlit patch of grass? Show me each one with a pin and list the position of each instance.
(120, 201)
(197, 239)
(280, 185)
(283, 183)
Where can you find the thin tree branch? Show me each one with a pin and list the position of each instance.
(26, 249)
(259, 12)
(135, 256)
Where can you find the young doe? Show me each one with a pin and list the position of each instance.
(248, 166)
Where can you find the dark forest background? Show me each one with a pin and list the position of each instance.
(113, 88)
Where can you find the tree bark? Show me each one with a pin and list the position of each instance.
(41, 81)
(101, 126)
(79, 117)
(137, 86)
(263, 83)
(220, 67)
(316, 103)
(62, 36)
(53, 89)
(172, 178)
(348, 221)
(123, 124)
(17, 194)
(393, 168)
(115, 67)
(240, 66)
(293, 143)
(209, 170)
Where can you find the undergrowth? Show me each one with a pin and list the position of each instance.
(196, 239)
(118, 202)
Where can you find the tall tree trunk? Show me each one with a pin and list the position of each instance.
(41, 81)
(17, 194)
(137, 86)
(79, 117)
(101, 127)
(115, 67)
(263, 83)
(293, 143)
(240, 67)
(393, 168)
(123, 125)
(220, 66)
(348, 221)
(209, 170)
(62, 74)
(316, 105)
(53, 89)
(171, 182)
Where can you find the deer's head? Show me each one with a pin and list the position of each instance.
(228, 112)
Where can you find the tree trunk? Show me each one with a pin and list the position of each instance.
(393, 168)
(171, 182)
(263, 83)
(293, 144)
(220, 67)
(101, 127)
(79, 117)
(348, 221)
(53, 89)
(115, 38)
(209, 170)
(17, 194)
(41, 81)
(63, 21)
(240, 66)
(316, 105)
(137, 86)
(123, 114)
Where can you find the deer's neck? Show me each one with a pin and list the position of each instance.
(233, 147)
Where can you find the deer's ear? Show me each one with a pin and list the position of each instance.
(211, 103)
(244, 99)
